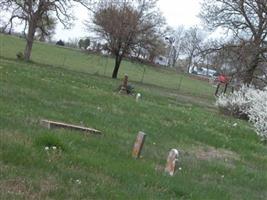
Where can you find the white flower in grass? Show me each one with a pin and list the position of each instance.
(235, 124)
(180, 168)
(138, 96)
(54, 147)
(46, 148)
(78, 181)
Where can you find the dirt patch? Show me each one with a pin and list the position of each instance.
(159, 168)
(210, 153)
(21, 188)
(14, 186)
(15, 136)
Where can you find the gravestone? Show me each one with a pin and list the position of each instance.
(138, 97)
(172, 161)
(123, 89)
(138, 145)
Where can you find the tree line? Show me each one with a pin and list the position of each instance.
(136, 28)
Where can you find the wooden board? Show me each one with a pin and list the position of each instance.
(52, 124)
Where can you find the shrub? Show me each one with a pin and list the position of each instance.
(130, 89)
(249, 103)
(257, 112)
(60, 43)
(235, 104)
(20, 55)
(84, 44)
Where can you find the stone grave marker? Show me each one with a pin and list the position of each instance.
(123, 89)
(138, 97)
(138, 145)
(172, 161)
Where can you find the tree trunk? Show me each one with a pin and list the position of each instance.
(248, 76)
(117, 66)
(29, 41)
(249, 73)
(189, 64)
(174, 58)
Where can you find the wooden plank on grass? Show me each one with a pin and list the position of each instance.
(53, 124)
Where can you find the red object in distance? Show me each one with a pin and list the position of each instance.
(223, 79)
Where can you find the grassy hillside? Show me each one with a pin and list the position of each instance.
(218, 160)
(75, 60)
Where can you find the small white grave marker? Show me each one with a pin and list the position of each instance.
(138, 97)
(138, 145)
(172, 162)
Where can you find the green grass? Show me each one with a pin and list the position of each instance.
(218, 160)
(73, 59)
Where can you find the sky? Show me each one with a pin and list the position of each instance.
(180, 12)
(176, 12)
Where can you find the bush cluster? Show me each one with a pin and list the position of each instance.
(249, 103)
(20, 55)
(130, 89)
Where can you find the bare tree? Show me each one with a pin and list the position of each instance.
(246, 20)
(155, 48)
(150, 45)
(191, 44)
(175, 39)
(33, 12)
(123, 25)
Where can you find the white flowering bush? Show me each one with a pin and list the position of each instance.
(249, 103)
(236, 103)
(257, 112)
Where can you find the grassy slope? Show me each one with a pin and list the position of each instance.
(210, 146)
(75, 60)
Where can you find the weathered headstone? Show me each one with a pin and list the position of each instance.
(123, 89)
(138, 145)
(172, 162)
